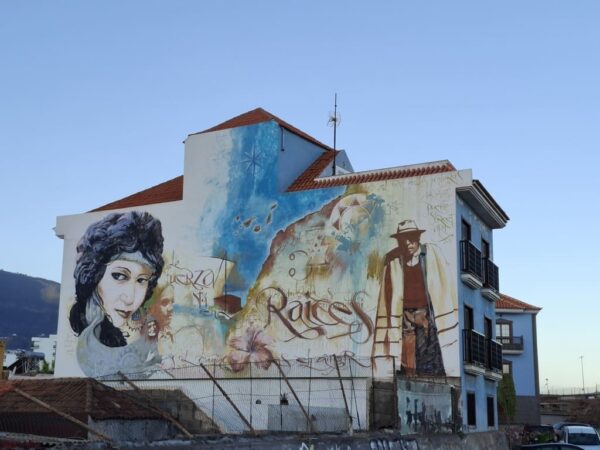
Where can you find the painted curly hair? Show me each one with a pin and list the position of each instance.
(104, 240)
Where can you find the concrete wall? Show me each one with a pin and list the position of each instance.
(371, 441)
(527, 410)
(295, 156)
(134, 430)
(260, 402)
(425, 407)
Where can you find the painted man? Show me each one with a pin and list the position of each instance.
(416, 313)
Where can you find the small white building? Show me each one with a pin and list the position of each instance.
(10, 356)
(47, 346)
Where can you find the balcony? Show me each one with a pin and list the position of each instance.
(470, 265)
(511, 345)
(482, 356)
(474, 351)
(490, 289)
(493, 368)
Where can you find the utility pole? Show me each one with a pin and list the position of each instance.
(547, 387)
(582, 379)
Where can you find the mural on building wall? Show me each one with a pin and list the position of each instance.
(119, 261)
(359, 270)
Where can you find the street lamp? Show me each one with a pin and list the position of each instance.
(582, 380)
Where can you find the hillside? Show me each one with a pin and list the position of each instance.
(28, 307)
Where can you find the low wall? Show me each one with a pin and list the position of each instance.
(359, 441)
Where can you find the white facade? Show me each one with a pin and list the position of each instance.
(47, 346)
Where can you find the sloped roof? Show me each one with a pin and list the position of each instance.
(314, 170)
(308, 179)
(507, 302)
(169, 191)
(260, 115)
(77, 397)
(172, 190)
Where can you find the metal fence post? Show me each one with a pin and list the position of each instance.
(396, 396)
(251, 404)
(311, 426)
(227, 398)
(212, 413)
(309, 388)
(337, 367)
(353, 398)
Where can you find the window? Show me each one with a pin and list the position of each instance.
(465, 230)
(485, 249)
(503, 329)
(469, 325)
(507, 367)
(488, 327)
(491, 420)
(471, 409)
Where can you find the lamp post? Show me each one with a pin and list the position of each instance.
(582, 379)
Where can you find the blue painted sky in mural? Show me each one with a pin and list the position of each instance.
(96, 97)
(256, 211)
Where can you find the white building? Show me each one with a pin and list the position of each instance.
(47, 346)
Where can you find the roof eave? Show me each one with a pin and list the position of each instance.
(480, 200)
(517, 311)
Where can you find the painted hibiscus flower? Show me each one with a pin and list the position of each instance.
(251, 347)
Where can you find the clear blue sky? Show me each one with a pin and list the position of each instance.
(97, 96)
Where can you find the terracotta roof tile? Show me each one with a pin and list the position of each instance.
(169, 191)
(260, 115)
(314, 170)
(507, 302)
(308, 179)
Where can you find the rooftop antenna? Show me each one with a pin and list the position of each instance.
(334, 120)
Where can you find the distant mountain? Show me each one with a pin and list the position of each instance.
(28, 307)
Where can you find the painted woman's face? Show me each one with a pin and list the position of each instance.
(165, 304)
(123, 289)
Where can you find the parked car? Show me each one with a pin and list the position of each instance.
(538, 434)
(550, 446)
(585, 437)
(559, 427)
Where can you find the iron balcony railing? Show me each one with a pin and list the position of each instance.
(511, 342)
(470, 259)
(474, 348)
(490, 275)
(494, 355)
(479, 350)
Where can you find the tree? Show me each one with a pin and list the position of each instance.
(507, 397)
(507, 401)
(45, 367)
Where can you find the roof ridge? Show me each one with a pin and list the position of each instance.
(259, 115)
(306, 181)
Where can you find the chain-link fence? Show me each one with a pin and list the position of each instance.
(317, 395)
(323, 394)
